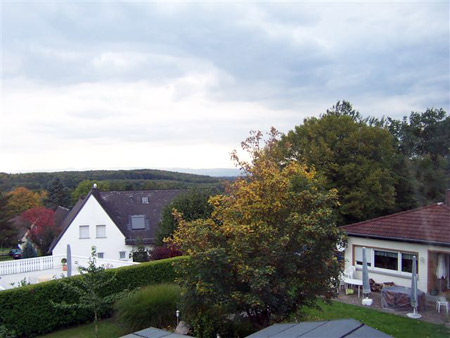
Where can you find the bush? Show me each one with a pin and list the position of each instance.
(28, 311)
(29, 251)
(153, 305)
(163, 252)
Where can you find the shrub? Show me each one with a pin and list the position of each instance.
(163, 252)
(153, 305)
(28, 311)
(29, 251)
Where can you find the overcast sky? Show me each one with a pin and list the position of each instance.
(118, 85)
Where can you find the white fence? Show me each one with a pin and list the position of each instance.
(20, 266)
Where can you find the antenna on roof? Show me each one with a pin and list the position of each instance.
(94, 186)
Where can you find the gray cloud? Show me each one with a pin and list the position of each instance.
(207, 73)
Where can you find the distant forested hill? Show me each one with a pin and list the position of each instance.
(140, 179)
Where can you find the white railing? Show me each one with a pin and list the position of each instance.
(53, 262)
(29, 265)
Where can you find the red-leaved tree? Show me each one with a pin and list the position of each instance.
(42, 229)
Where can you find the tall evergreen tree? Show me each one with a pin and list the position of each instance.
(58, 194)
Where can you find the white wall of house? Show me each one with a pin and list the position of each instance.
(398, 277)
(92, 215)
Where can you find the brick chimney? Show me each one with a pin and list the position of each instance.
(447, 197)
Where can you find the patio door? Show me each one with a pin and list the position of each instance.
(438, 271)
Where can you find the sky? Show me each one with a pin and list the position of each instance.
(138, 84)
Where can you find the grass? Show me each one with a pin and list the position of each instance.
(5, 258)
(106, 329)
(391, 324)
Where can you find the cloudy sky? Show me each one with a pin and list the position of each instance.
(116, 85)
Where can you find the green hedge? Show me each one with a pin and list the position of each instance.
(28, 310)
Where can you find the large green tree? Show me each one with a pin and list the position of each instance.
(424, 141)
(355, 156)
(8, 233)
(192, 204)
(267, 249)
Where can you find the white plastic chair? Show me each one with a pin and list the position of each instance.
(350, 272)
(442, 301)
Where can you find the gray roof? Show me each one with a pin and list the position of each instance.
(60, 214)
(120, 206)
(328, 329)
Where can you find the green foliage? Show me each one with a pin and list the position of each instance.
(424, 141)
(353, 157)
(192, 204)
(153, 305)
(85, 186)
(29, 310)
(107, 328)
(89, 289)
(29, 251)
(5, 333)
(58, 194)
(8, 233)
(254, 254)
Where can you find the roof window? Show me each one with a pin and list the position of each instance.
(137, 222)
(145, 200)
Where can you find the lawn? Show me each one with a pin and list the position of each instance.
(5, 258)
(4, 255)
(106, 329)
(391, 324)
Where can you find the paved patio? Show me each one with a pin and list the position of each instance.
(42, 269)
(33, 277)
(430, 315)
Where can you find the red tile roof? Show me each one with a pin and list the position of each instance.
(429, 224)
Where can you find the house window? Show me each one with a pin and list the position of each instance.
(100, 254)
(398, 261)
(145, 200)
(407, 263)
(101, 231)
(386, 260)
(122, 254)
(359, 256)
(137, 222)
(84, 231)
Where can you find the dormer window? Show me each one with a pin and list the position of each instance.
(145, 200)
(138, 222)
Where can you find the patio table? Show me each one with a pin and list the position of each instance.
(399, 298)
(353, 281)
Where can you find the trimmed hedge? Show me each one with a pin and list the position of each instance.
(27, 311)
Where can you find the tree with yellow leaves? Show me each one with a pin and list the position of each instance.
(22, 199)
(266, 251)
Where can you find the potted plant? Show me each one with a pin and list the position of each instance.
(64, 262)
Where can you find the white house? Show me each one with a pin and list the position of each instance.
(392, 241)
(113, 222)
